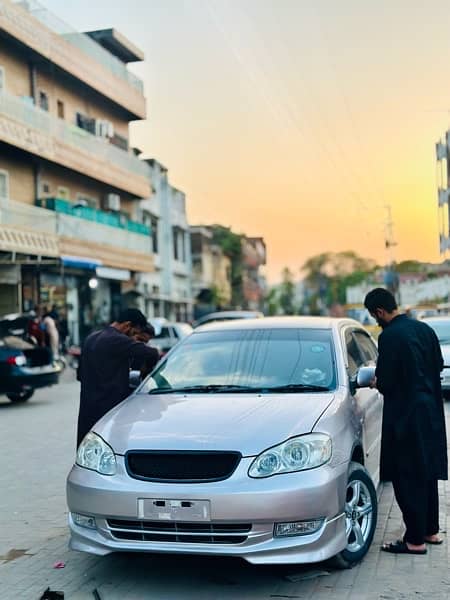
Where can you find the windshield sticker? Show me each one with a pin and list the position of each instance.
(317, 348)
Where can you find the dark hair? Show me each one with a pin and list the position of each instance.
(149, 329)
(134, 316)
(380, 298)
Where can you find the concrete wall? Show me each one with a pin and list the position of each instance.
(17, 75)
(76, 99)
(21, 176)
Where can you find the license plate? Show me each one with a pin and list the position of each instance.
(158, 509)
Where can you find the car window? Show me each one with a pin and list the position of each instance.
(355, 359)
(257, 357)
(367, 347)
(164, 333)
(442, 330)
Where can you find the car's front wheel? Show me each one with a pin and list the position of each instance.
(18, 397)
(361, 510)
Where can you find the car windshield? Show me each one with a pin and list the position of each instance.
(243, 360)
(442, 329)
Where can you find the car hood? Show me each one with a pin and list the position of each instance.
(445, 349)
(248, 423)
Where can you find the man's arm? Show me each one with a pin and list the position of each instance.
(129, 348)
(387, 365)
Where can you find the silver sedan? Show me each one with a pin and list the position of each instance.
(441, 326)
(255, 438)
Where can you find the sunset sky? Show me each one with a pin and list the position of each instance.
(296, 120)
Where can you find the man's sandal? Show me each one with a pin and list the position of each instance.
(401, 547)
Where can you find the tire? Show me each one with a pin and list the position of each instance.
(18, 397)
(361, 509)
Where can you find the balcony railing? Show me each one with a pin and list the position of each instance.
(129, 235)
(82, 41)
(24, 111)
(89, 231)
(63, 207)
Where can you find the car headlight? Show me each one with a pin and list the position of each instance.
(297, 454)
(95, 454)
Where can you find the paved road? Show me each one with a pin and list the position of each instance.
(37, 449)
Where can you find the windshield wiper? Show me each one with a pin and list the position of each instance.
(297, 387)
(211, 388)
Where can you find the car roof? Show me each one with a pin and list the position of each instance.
(279, 323)
(230, 313)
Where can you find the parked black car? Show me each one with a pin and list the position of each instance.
(23, 366)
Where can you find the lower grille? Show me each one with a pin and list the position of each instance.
(181, 466)
(188, 533)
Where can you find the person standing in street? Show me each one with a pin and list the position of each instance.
(413, 444)
(105, 366)
(51, 332)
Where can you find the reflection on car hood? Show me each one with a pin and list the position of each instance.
(248, 423)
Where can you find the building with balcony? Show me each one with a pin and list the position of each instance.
(211, 272)
(70, 182)
(254, 284)
(167, 291)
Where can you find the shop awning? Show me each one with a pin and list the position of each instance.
(79, 262)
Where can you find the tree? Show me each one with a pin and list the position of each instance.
(231, 245)
(272, 301)
(329, 274)
(287, 292)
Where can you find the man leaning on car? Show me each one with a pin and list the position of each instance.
(104, 368)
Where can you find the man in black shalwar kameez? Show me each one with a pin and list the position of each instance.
(413, 445)
(105, 366)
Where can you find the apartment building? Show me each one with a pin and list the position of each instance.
(71, 232)
(254, 285)
(211, 272)
(167, 291)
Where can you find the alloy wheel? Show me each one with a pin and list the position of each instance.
(358, 515)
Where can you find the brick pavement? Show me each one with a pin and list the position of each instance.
(40, 437)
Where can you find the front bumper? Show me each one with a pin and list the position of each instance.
(315, 494)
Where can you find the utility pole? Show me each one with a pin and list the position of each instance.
(391, 279)
(389, 241)
(443, 171)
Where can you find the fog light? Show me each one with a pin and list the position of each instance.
(298, 528)
(84, 521)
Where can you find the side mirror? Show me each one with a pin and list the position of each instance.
(365, 376)
(134, 380)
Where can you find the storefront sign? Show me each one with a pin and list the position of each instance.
(116, 274)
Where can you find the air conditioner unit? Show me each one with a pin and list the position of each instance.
(112, 202)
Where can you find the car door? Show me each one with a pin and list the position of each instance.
(374, 411)
(367, 403)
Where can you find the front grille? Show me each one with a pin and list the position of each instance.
(187, 533)
(181, 467)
